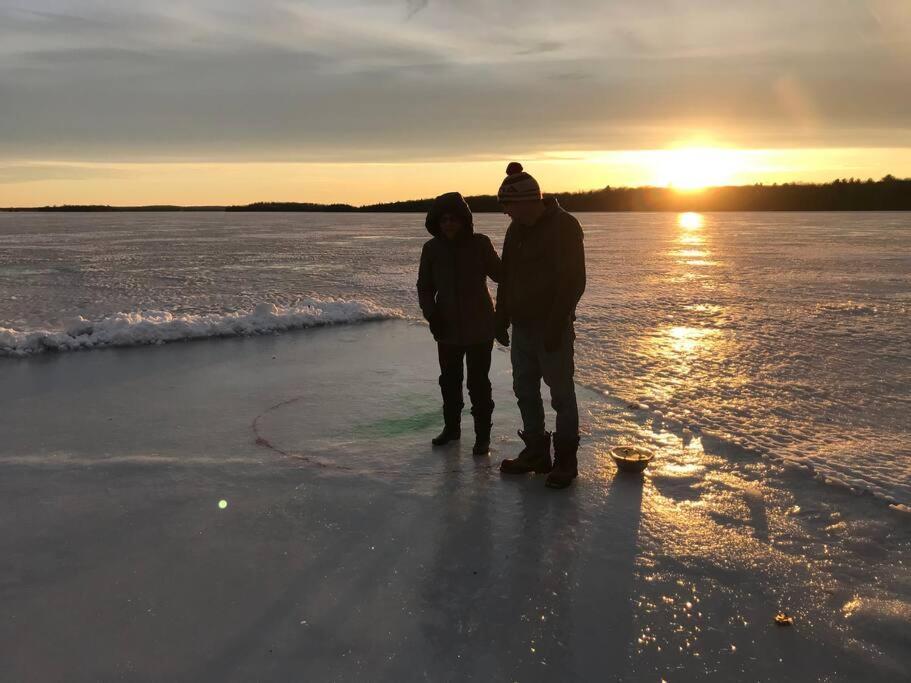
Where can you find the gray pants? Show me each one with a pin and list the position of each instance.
(530, 364)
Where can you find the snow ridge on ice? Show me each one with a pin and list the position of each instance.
(159, 327)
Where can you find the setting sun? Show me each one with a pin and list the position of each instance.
(693, 168)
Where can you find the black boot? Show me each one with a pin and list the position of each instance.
(535, 457)
(566, 465)
(452, 426)
(481, 435)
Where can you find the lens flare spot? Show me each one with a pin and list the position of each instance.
(222, 504)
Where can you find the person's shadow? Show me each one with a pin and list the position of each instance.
(497, 603)
(539, 643)
(533, 584)
(458, 590)
(605, 593)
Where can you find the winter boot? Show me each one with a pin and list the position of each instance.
(566, 467)
(535, 457)
(481, 435)
(452, 429)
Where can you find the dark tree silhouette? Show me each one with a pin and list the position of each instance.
(851, 194)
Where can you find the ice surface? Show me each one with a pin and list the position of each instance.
(350, 549)
(783, 334)
(158, 327)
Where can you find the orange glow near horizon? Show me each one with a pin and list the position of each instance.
(30, 182)
(695, 168)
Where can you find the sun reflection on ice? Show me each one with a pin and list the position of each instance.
(691, 238)
(691, 225)
(681, 339)
(691, 253)
(690, 220)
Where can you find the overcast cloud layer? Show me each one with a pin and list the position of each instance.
(357, 81)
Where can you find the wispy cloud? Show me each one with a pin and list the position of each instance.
(351, 79)
(44, 171)
(415, 6)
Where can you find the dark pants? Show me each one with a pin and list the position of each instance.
(477, 357)
(530, 364)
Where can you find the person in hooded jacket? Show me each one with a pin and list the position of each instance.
(453, 295)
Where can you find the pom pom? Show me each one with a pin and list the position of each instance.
(513, 168)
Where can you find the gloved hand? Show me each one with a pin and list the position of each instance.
(437, 326)
(502, 335)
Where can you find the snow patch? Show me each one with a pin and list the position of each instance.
(158, 327)
(846, 308)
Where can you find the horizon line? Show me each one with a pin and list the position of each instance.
(683, 192)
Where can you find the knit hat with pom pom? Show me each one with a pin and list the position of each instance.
(518, 186)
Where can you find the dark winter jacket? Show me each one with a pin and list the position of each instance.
(543, 272)
(452, 278)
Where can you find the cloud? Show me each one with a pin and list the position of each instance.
(38, 172)
(541, 47)
(415, 6)
(357, 80)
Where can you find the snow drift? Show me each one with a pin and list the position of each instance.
(159, 327)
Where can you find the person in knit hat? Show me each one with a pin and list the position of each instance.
(541, 281)
(453, 295)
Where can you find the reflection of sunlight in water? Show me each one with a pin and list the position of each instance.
(674, 353)
(690, 220)
(710, 531)
(699, 512)
(688, 238)
(692, 346)
(712, 309)
(690, 224)
(682, 469)
(686, 339)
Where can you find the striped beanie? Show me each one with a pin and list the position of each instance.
(518, 186)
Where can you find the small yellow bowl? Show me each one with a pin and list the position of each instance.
(631, 458)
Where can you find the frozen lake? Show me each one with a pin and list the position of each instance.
(346, 548)
(784, 334)
(764, 357)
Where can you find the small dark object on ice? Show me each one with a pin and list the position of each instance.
(782, 619)
(631, 458)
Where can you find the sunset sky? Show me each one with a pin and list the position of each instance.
(234, 101)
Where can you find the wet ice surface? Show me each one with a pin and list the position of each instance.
(784, 334)
(348, 548)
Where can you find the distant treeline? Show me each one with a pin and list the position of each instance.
(888, 194)
(295, 206)
(94, 208)
(850, 194)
